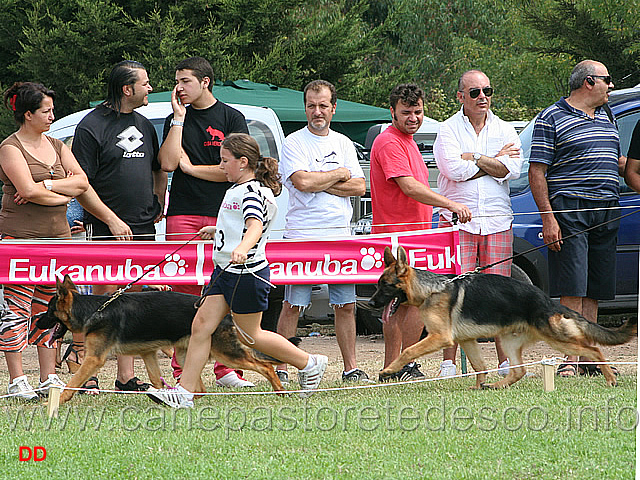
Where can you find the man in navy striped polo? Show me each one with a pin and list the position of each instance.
(574, 180)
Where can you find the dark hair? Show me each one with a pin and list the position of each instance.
(316, 86)
(23, 97)
(123, 73)
(407, 93)
(265, 168)
(580, 73)
(200, 67)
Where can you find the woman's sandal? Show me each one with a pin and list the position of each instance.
(567, 370)
(90, 387)
(592, 370)
(133, 385)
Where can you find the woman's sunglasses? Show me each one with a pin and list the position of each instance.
(475, 92)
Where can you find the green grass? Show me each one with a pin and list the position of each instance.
(429, 430)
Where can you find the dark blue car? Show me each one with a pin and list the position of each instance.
(527, 226)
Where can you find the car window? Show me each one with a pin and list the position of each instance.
(264, 136)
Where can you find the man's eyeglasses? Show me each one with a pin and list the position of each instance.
(475, 92)
(605, 78)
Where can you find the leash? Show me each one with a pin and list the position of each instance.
(122, 290)
(479, 269)
(249, 339)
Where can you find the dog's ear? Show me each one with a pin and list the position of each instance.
(68, 283)
(402, 264)
(388, 257)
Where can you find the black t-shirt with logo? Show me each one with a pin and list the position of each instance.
(203, 132)
(118, 153)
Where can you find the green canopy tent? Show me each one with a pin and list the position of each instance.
(351, 118)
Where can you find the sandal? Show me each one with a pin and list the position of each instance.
(92, 389)
(567, 370)
(75, 348)
(133, 385)
(591, 370)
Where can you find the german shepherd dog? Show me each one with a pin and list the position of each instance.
(485, 305)
(141, 324)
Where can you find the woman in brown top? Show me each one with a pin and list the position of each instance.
(40, 176)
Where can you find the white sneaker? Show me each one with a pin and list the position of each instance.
(176, 397)
(20, 388)
(310, 379)
(52, 379)
(447, 369)
(233, 380)
(503, 368)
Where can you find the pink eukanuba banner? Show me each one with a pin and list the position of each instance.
(356, 259)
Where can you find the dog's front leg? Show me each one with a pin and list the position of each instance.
(90, 365)
(433, 342)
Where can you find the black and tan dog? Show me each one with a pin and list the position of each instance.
(484, 305)
(141, 324)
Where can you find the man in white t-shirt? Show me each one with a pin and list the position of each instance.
(320, 170)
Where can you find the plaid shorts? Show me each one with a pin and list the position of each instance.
(480, 250)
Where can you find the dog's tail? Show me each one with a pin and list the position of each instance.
(610, 336)
(268, 358)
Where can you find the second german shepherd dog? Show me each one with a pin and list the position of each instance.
(485, 305)
(141, 324)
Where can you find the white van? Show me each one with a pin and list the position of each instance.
(263, 124)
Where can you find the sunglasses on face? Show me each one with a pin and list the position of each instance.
(475, 92)
(605, 78)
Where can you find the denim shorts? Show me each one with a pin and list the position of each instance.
(339, 294)
(585, 266)
(243, 293)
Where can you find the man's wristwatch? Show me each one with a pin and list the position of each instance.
(476, 157)
(177, 123)
(48, 185)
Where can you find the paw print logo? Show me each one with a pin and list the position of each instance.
(370, 258)
(174, 266)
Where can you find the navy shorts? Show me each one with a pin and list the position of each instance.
(585, 266)
(243, 293)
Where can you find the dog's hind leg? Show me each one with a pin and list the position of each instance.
(512, 345)
(474, 354)
(247, 361)
(153, 369)
(591, 352)
(168, 351)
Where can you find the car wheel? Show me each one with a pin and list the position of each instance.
(520, 274)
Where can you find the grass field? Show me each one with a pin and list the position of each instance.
(428, 430)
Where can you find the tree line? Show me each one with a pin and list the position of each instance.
(364, 47)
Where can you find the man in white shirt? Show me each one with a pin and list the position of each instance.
(320, 169)
(477, 153)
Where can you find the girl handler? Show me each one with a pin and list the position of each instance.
(240, 281)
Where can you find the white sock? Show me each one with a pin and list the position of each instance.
(310, 364)
(350, 371)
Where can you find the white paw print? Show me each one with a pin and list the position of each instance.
(370, 258)
(174, 266)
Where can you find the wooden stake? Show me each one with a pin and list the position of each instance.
(548, 374)
(54, 401)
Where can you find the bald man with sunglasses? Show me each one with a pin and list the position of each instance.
(477, 154)
(574, 167)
